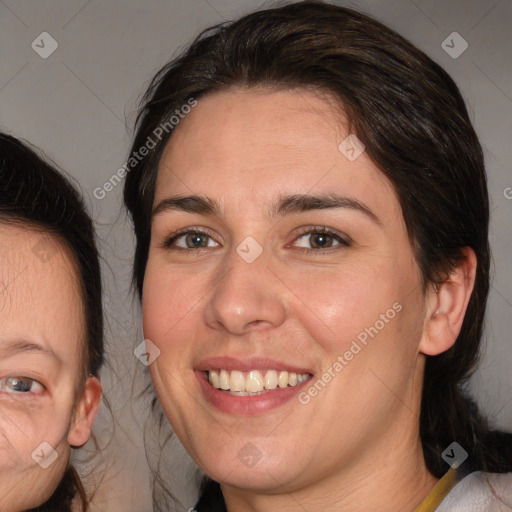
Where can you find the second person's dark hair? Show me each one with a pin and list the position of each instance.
(36, 195)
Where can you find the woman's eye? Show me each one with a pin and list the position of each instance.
(319, 240)
(191, 240)
(20, 385)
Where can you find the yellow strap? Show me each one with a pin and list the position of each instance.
(438, 493)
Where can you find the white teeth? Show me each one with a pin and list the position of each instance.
(213, 377)
(224, 380)
(237, 381)
(271, 379)
(254, 382)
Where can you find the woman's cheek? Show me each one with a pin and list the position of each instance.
(336, 303)
(168, 297)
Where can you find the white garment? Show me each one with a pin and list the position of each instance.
(475, 494)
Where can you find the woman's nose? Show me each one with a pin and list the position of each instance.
(248, 294)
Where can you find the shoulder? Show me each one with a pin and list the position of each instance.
(480, 492)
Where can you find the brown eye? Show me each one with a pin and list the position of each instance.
(316, 239)
(195, 240)
(320, 240)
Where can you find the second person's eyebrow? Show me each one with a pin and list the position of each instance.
(286, 205)
(20, 346)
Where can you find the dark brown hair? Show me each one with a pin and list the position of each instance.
(413, 121)
(34, 194)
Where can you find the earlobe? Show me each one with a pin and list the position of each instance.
(85, 413)
(447, 307)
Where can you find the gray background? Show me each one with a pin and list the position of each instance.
(79, 105)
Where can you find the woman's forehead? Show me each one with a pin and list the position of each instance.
(286, 123)
(264, 145)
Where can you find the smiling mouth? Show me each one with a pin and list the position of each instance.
(254, 382)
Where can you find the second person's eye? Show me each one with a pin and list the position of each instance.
(20, 385)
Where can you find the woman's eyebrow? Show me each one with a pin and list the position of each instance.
(189, 204)
(287, 205)
(298, 203)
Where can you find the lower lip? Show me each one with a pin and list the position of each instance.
(246, 405)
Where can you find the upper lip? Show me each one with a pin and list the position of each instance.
(247, 364)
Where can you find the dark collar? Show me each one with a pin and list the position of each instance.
(211, 499)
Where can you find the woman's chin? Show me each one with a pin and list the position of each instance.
(250, 480)
(247, 469)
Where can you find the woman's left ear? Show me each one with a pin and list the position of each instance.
(85, 413)
(446, 307)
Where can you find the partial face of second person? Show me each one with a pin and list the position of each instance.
(336, 263)
(41, 335)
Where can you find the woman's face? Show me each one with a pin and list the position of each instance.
(41, 326)
(282, 292)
